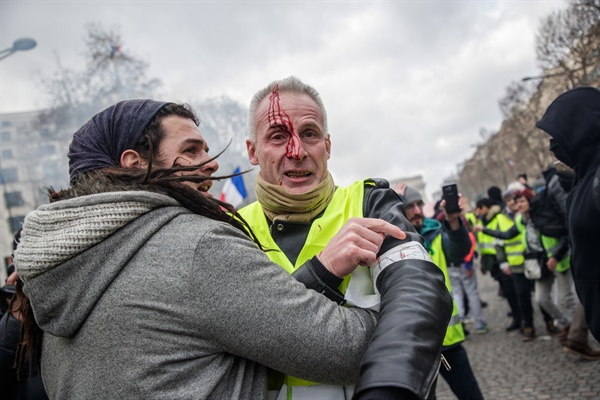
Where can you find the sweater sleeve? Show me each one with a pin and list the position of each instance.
(254, 309)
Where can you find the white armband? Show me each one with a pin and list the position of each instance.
(404, 251)
(362, 291)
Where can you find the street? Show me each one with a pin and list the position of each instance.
(507, 368)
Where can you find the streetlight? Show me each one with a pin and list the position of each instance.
(528, 78)
(18, 45)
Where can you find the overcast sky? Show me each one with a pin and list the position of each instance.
(407, 84)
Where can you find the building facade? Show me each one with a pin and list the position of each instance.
(32, 159)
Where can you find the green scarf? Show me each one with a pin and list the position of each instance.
(278, 203)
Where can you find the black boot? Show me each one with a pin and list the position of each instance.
(515, 325)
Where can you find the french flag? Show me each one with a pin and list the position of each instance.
(234, 191)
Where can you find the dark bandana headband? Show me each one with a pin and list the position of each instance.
(101, 141)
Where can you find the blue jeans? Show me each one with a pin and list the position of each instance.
(466, 285)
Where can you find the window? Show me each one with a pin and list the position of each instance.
(16, 223)
(13, 199)
(9, 175)
(5, 137)
(46, 150)
(54, 172)
(7, 154)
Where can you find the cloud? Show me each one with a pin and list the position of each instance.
(407, 85)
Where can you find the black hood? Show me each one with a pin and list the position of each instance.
(573, 120)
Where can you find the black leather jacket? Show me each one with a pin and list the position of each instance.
(415, 303)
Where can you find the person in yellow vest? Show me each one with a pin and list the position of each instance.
(315, 230)
(509, 251)
(448, 243)
(553, 256)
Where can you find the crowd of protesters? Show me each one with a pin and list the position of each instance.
(532, 265)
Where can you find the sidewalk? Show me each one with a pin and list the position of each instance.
(507, 368)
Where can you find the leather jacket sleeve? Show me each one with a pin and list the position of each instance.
(383, 202)
(415, 310)
(315, 276)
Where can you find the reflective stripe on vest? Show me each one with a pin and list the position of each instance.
(454, 332)
(346, 203)
(321, 392)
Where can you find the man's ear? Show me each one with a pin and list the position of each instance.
(132, 159)
(251, 152)
(328, 145)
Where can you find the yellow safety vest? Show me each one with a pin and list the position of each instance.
(454, 332)
(550, 245)
(471, 218)
(514, 247)
(346, 203)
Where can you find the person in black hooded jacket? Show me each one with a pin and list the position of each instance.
(573, 122)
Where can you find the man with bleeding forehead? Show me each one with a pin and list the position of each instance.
(330, 238)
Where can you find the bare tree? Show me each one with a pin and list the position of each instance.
(568, 40)
(568, 50)
(111, 74)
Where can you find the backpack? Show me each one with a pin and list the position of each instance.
(545, 216)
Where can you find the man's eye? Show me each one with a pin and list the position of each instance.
(312, 135)
(190, 150)
(279, 136)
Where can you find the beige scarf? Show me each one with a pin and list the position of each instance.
(279, 204)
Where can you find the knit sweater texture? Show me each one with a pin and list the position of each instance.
(141, 299)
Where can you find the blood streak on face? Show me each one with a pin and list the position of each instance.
(277, 116)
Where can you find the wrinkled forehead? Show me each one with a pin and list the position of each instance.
(281, 105)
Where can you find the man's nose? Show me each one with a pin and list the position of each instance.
(297, 152)
(210, 167)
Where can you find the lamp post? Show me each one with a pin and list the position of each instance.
(18, 45)
(562, 73)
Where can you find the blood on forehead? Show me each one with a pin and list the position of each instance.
(278, 116)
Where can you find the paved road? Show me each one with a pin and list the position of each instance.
(507, 368)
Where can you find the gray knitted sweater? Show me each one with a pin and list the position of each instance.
(141, 299)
